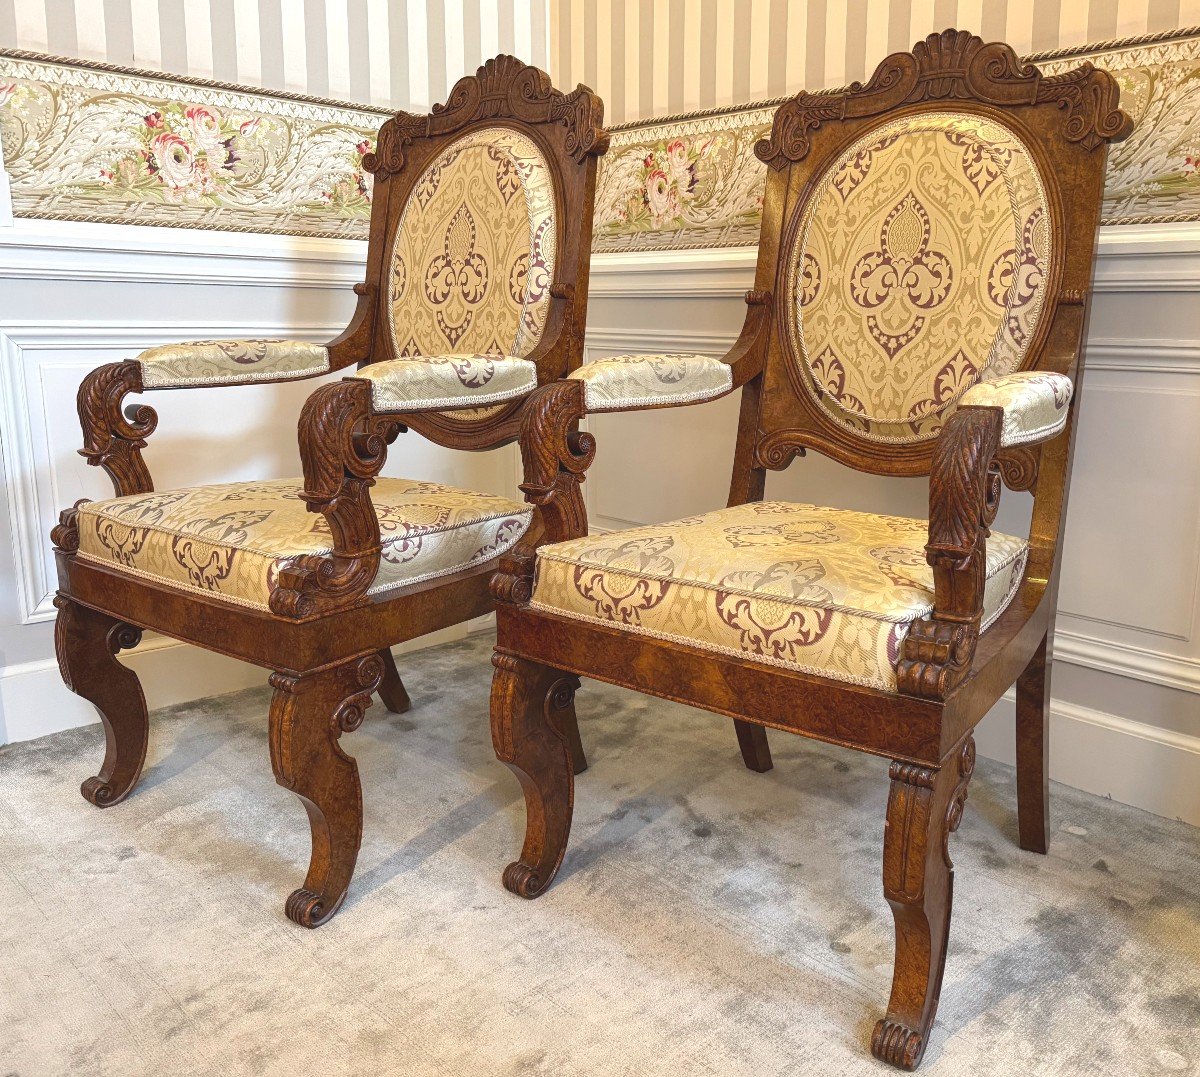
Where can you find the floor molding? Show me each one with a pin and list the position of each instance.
(1120, 758)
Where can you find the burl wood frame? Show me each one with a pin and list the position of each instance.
(949, 672)
(326, 642)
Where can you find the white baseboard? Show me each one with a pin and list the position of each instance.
(1128, 761)
(34, 702)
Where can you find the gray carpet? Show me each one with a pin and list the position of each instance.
(707, 921)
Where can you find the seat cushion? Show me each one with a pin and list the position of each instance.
(228, 541)
(820, 590)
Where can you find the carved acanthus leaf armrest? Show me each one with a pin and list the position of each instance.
(986, 437)
(343, 446)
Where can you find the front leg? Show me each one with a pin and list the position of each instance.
(86, 643)
(529, 704)
(308, 715)
(924, 806)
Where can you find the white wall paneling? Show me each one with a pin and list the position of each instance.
(1127, 648)
(75, 296)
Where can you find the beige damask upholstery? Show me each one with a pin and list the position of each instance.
(919, 271)
(824, 591)
(474, 254)
(1034, 403)
(228, 541)
(429, 382)
(617, 382)
(230, 362)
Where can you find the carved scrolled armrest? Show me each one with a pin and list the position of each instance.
(343, 446)
(114, 436)
(964, 495)
(556, 455)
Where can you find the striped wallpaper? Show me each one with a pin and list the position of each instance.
(660, 57)
(395, 53)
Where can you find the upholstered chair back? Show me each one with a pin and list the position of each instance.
(481, 235)
(916, 243)
(474, 254)
(919, 268)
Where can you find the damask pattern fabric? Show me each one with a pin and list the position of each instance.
(1035, 404)
(919, 271)
(230, 362)
(229, 541)
(443, 381)
(474, 254)
(631, 381)
(820, 590)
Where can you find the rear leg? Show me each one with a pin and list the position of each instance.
(1033, 752)
(752, 739)
(391, 689)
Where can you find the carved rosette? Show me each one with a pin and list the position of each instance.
(343, 444)
(964, 495)
(113, 438)
(953, 65)
(556, 456)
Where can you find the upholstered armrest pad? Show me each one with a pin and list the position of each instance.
(230, 362)
(637, 381)
(433, 382)
(1034, 403)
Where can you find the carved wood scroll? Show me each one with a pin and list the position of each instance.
(954, 64)
(502, 88)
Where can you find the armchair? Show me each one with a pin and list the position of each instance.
(918, 309)
(475, 292)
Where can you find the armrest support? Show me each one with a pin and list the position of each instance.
(343, 446)
(964, 495)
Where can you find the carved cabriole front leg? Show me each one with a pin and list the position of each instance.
(308, 715)
(343, 446)
(531, 705)
(925, 806)
(964, 494)
(87, 643)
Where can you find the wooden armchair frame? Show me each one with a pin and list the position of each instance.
(949, 672)
(326, 641)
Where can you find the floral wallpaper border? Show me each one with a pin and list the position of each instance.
(693, 181)
(94, 142)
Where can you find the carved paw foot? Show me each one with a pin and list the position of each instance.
(897, 1044)
(522, 880)
(308, 909)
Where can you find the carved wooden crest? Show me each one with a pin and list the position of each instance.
(954, 64)
(502, 88)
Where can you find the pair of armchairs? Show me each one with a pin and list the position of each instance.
(919, 308)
